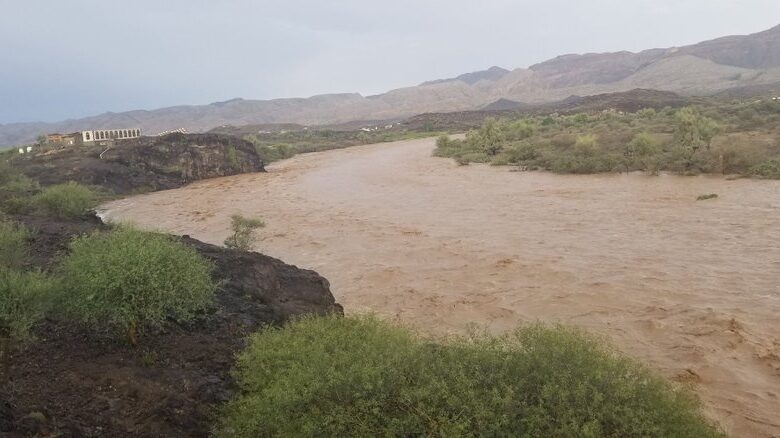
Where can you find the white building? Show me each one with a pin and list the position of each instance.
(109, 134)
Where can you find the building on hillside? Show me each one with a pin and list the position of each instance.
(94, 136)
(64, 139)
(101, 135)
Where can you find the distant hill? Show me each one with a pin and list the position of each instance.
(503, 104)
(492, 74)
(747, 62)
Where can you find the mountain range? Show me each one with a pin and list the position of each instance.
(700, 69)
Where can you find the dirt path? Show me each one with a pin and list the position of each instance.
(693, 288)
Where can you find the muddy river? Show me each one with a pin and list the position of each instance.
(690, 287)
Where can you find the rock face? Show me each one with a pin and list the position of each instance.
(277, 290)
(74, 382)
(188, 157)
(147, 163)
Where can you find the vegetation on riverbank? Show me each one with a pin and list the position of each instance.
(128, 280)
(736, 138)
(360, 376)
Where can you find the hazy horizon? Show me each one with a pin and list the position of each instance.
(81, 58)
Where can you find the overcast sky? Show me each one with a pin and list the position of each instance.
(63, 59)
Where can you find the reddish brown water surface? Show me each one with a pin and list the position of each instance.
(690, 287)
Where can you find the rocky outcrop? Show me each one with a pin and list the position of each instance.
(188, 157)
(147, 163)
(277, 291)
(74, 382)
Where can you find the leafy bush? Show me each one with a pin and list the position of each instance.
(129, 279)
(443, 141)
(243, 230)
(65, 200)
(25, 297)
(641, 152)
(13, 244)
(769, 169)
(646, 113)
(707, 196)
(20, 184)
(16, 205)
(693, 132)
(359, 376)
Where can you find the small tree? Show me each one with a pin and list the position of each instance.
(586, 145)
(694, 132)
(490, 137)
(521, 129)
(243, 237)
(646, 113)
(641, 150)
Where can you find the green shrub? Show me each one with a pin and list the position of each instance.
(16, 205)
(232, 156)
(20, 184)
(642, 152)
(646, 113)
(472, 157)
(769, 169)
(25, 297)
(359, 376)
(443, 141)
(13, 244)
(129, 279)
(586, 145)
(522, 152)
(243, 230)
(65, 200)
(706, 197)
(489, 138)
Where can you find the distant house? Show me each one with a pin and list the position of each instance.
(64, 139)
(94, 136)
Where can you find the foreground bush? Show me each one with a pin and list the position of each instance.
(65, 200)
(13, 244)
(25, 297)
(129, 279)
(363, 377)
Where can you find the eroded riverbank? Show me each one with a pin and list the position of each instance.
(691, 287)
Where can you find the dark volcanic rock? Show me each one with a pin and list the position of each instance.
(278, 290)
(147, 163)
(75, 382)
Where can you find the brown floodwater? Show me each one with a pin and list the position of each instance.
(690, 287)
